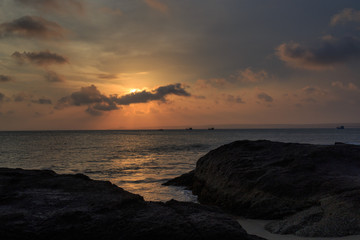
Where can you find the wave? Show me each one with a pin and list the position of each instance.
(146, 180)
(123, 170)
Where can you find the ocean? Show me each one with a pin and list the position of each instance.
(140, 161)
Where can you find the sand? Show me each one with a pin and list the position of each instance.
(256, 227)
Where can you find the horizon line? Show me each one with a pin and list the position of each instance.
(207, 127)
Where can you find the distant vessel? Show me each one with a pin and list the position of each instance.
(340, 127)
(211, 128)
(188, 128)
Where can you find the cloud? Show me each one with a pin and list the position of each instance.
(341, 85)
(52, 76)
(329, 54)
(107, 76)
(309, 90)
(43, 58)
(345, 16)
(234, 99)
(249, 76)
(157, 5)
(90, 110)
(42, 101)
(54, 5)
(265, 97)
(86, 96)
(158, 94)
(32, 27)
(22, 96)
(313, 90)
(242, 77)
(212, 83)
(98, 102)
(4, 78)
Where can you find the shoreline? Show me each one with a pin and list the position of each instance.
(41, 204)
(257, 227)
(311, 190)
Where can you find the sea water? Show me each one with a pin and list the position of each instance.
(140, 161)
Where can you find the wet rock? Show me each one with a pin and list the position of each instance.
(312, 189)
(185, 180)
(43, 205)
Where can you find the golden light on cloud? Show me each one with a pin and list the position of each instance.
(170, 63)
(134, 90)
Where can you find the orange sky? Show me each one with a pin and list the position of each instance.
(138, 64)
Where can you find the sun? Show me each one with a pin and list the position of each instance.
(134, 90)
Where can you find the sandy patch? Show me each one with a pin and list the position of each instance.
(256, 227)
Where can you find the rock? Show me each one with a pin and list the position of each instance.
(185, 180)
(314, 190)
(40, 204)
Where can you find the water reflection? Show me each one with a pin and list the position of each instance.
(139, 161)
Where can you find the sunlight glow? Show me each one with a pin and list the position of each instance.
(134, 90)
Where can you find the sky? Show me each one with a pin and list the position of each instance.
(148, 64)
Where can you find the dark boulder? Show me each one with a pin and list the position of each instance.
(312, 189)
(185, 180)
(37, 204)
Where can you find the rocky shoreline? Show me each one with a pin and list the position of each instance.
(309, 190)
(40, 204)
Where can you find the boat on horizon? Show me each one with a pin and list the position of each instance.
(340, 127)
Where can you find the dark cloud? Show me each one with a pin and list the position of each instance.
(97, 108)
(265, 97)
(157, 94)
(27, 97)
(42, 101)
(310, 90)
(20, 97)
(54, 5)
(313, 90)
(86, 96)
(91, 97)
(4, 78)
(98, 103)
(90, 110)
(330, 53)
(52, 76)
(40, 58)
(107, 106)
(33, 27)
(234, 99)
